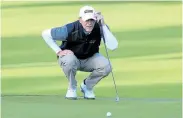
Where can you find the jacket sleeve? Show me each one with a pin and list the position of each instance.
(59, 33)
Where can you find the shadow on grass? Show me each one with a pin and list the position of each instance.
(155, 34)
(155, 41)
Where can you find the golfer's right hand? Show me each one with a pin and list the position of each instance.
(64, 52)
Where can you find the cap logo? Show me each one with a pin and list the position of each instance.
(88, 11)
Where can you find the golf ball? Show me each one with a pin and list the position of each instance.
(108, 114)
(117, 99)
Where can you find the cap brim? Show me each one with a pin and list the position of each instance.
(89, 16)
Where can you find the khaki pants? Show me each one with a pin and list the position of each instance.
(98, 65)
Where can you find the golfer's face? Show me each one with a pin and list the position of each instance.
(88, 24)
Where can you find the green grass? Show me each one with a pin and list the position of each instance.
(57, 107)
(146, 66)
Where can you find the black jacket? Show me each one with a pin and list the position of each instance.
(82, 45)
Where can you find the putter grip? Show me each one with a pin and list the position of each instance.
(101, 31)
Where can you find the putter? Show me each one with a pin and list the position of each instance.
(101, 30)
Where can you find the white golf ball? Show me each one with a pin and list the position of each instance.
(108, 114)
(117, 99)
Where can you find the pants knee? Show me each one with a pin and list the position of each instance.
(68, 62)
(107, 70)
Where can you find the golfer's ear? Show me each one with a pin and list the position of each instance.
(80, 19)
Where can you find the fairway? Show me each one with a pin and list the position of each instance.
(146, 66)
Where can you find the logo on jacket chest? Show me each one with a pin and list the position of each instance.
(91, 41)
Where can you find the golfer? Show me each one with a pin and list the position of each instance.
(79, 51)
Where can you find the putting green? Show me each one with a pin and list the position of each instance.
(146, 66)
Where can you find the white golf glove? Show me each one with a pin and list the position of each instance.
(100, 17)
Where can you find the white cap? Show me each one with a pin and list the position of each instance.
(87, 12)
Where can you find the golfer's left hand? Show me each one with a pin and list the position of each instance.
(100, 18)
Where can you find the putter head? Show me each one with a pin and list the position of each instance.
(117, 99)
